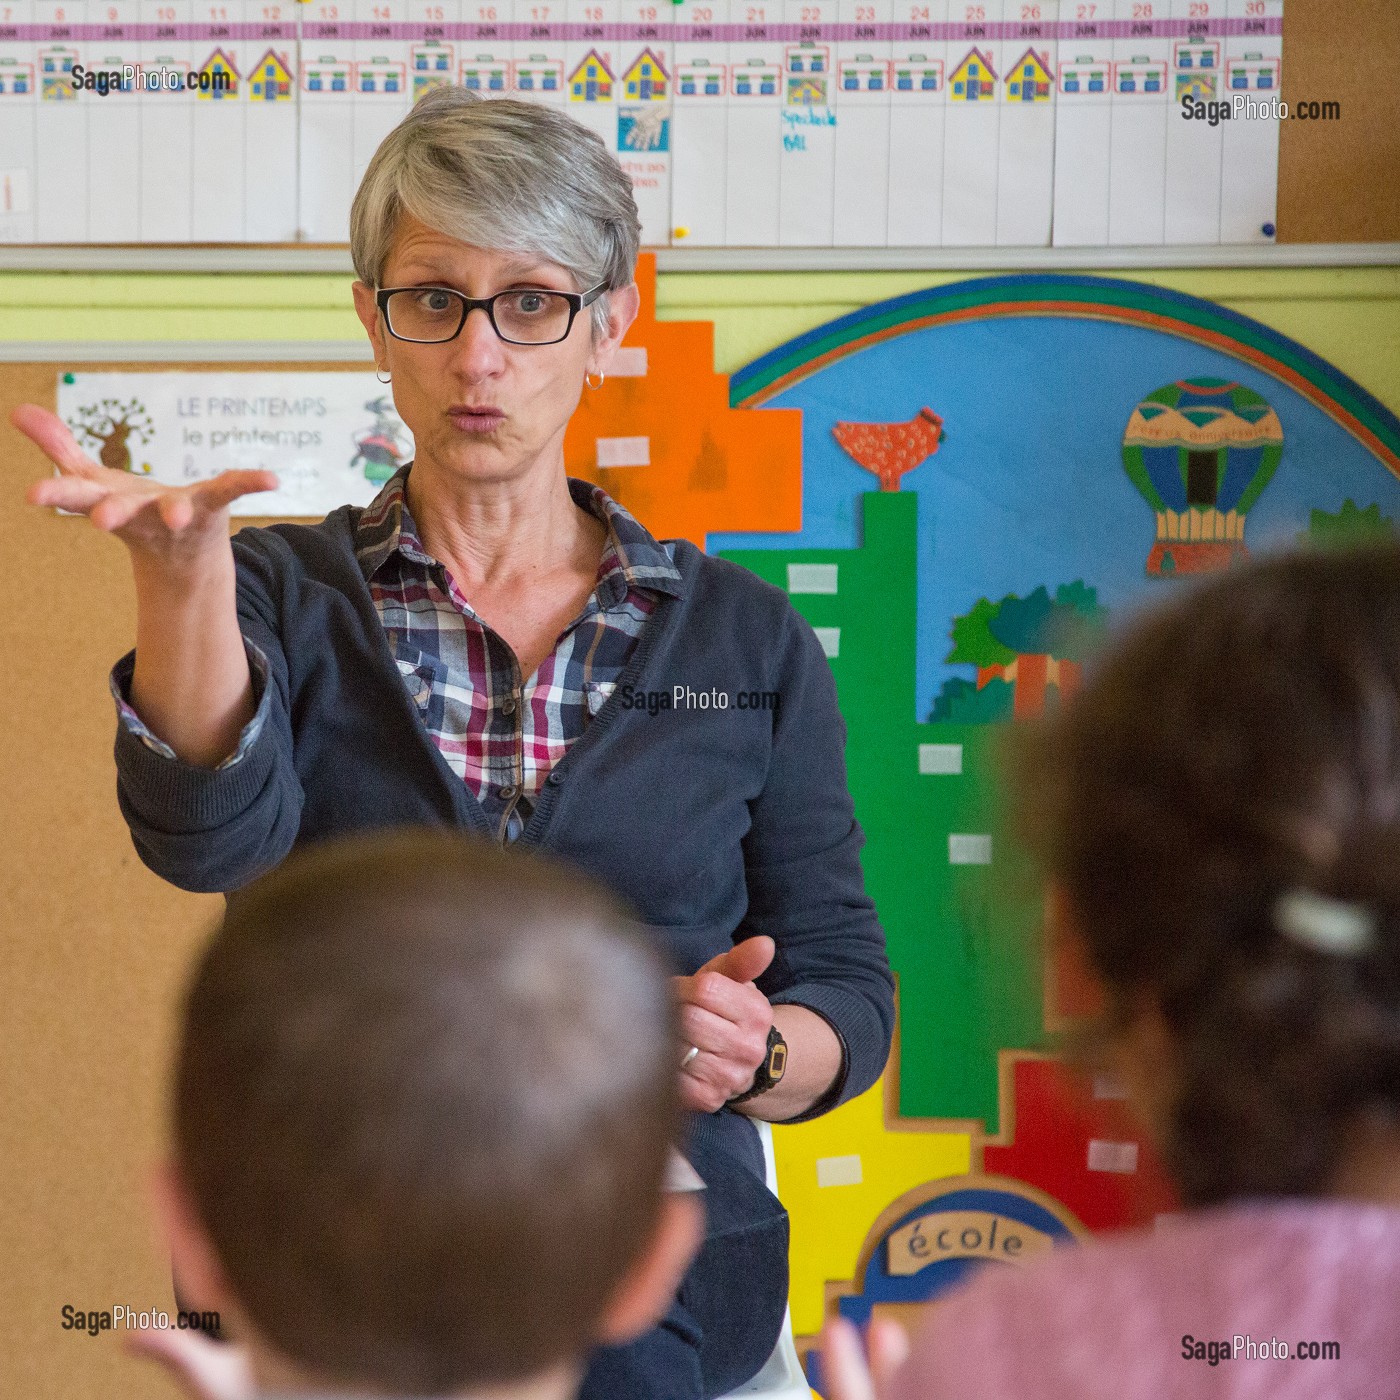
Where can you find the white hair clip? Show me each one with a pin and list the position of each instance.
(1325, 925)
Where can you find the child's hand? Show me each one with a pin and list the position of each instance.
(845, 1373)
(727, 1019)
(207, 1370)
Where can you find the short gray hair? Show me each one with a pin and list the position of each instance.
(504, 174)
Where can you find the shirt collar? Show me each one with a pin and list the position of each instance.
(631, 558)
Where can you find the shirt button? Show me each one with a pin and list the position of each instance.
(508, 705)
(555, 777)
(508, 791)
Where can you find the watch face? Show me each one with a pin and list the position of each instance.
(777, 1061)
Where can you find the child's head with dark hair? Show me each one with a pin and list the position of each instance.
(1218, 812)
(424, 1104)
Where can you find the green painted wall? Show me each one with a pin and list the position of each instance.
(962, 938)
(1350, 316)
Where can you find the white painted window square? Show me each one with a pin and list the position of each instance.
(839, 1171)
(1112, 1156)
(624, 451)
(946, 759)
(812, 578)
(630, 362)
(969, 849)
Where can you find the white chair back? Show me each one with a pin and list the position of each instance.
(782, 1377)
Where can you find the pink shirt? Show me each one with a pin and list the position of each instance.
(1108, 1321)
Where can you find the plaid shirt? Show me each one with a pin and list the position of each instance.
(500, 733)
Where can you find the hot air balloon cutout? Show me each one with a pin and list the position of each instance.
(1201, 451)
(891, 449)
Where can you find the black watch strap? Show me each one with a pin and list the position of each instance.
(770, 1071)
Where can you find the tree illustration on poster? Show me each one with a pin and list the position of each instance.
(1028, 653)
(111, 425)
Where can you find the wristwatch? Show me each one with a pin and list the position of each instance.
(770, 1070)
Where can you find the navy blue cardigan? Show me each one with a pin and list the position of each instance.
(715, 824)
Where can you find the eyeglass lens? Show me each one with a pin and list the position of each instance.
(435, 314)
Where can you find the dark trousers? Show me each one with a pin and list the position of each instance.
(725, 1320)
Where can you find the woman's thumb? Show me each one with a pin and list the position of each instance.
(744, 961)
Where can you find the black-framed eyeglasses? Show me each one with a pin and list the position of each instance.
(521, 316)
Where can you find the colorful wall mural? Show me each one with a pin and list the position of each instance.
(991, 476)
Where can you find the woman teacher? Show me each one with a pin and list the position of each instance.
(478, 648)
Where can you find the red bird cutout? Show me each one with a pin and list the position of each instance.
(891, 449)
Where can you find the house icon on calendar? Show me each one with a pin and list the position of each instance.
(1029, 79)
(974, 79)
(217, 63)
(645, 80)
(271, 80)
(592, 80)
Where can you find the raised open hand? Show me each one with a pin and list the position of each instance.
(172, 524)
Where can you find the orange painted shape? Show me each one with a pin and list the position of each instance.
(1032, 672)
(1194, 556)
(891, 449)
(1071, 676)
(711, 467)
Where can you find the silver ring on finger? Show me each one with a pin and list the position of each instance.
(690, 1056)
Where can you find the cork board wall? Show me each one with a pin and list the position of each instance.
(94, 954)
(1338, 179)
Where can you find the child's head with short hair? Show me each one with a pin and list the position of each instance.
(424, 1103)
(1219, 814)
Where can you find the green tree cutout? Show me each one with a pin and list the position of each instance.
(973, 642)
(962, 702)
(1027, 634)
(1348, 526)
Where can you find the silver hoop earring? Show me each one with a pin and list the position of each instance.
(592, 385)
(378, 370)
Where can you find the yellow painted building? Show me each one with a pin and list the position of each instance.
(646, 79)
(271, 80)
(1029, 79)
(592, 80)
(218, 63)
(974, 79)
(1200, 87)
(806, 92)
